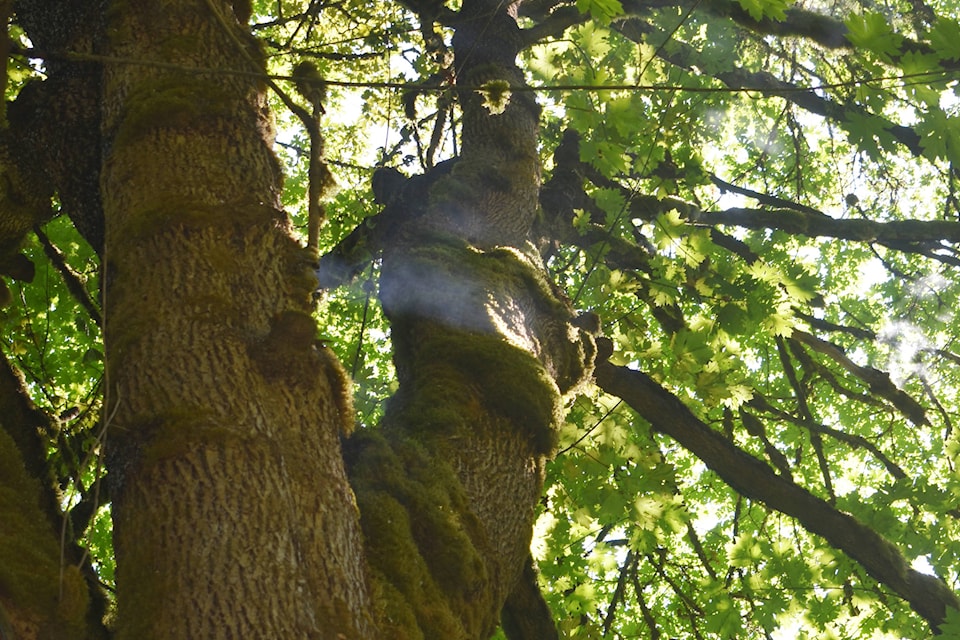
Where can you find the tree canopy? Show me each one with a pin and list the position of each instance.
(750, 207)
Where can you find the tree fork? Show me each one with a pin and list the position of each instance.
(484, 354)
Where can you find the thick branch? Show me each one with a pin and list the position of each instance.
(923, 237)
(553, 25)
(58, 120)
(525, 614)
(904, 235)
(755, 480)
(824, 30)
(878, 381)
(24, 422)
(683, 55)
(42, 584)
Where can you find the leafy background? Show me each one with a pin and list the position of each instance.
(721, 144)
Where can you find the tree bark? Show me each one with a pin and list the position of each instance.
(43, 593)
(484, 354)
(232, 513)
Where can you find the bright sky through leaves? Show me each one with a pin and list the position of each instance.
(761, 206)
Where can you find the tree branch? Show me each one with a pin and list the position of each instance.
(525, 615)
(70, 277)
(24, 422)
(903, 235)
(878, 381)
(852, 440)
(824, 30)
(754, 479)
(564, 193)
(687, 57)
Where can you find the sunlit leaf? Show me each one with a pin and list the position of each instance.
(872, 31)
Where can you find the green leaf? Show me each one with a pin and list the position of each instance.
(781, 322)
(611, 201)
(603, 11)
(724, 620)
(622, 113)
(872, 31)
(799, 284)
(915, 65)
(668, 228)
(945, 38)
(692, 350)
(647, 511)
(593, 40)
(581, 221)
(606, 156)
(760, 9)
(745, 551)
(950, 629)
(733, 318)
(869, 133)
(940, 136)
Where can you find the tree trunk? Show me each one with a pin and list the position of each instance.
(232, 512)
(42, 592)
(483, 352)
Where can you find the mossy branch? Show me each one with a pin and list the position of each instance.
(70, 277)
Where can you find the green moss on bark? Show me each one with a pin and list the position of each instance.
(32, 579)
(464, 347)
(460, 376)
(423, 542)
(173, 103)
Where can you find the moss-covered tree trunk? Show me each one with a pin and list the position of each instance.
(235, 510)
(42, 591)
(232, 512)
(484, 354)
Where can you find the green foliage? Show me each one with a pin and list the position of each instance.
(940, 137)
(601, 10)
(776, 334)
(54, 342)
(872, 31)
(47, 332)
(760, 9)
(870, 134)
(945, 38)
(99, 540)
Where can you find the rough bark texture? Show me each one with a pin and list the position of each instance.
(484, 353)
(233, 516)
(42, 592)
(232, 513)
